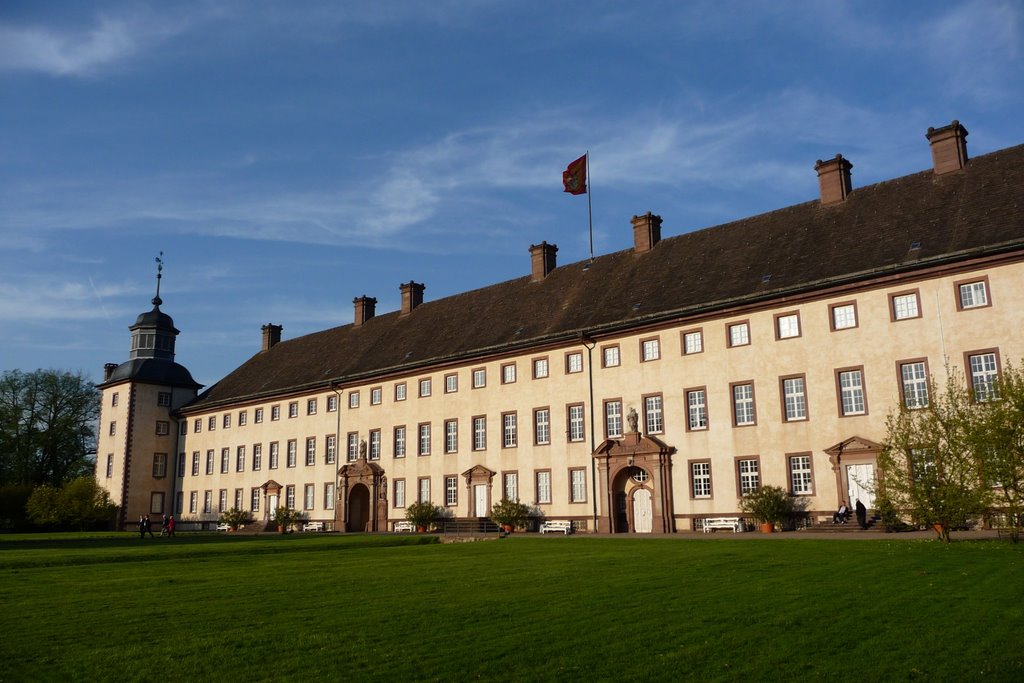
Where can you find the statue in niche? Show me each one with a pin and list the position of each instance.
(633, 419)
(382, 487)
(362, 449)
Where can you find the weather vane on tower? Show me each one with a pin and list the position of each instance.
(159, 269)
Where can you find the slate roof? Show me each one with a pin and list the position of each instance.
(971, 212)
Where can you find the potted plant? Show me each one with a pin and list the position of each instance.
(421, 514)
(283, 517)
(235, 518)
(509, 514)
(769, 505)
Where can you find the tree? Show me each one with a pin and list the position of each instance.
(931, 464)
(81, 504)
(47, 420)
(999, 437)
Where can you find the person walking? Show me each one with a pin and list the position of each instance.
(170, 527)
(142, 526)
(148, 526)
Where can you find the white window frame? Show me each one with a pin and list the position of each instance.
(852, 399)
(542, 426)
(696, 409)
(577, 429)
(654, 414)
(700, 479)
(794, 398)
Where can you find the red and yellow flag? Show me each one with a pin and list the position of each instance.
(575, 176)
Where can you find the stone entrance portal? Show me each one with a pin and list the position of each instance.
(634, 485)
(362, 497)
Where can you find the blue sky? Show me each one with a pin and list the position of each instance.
(287, 157)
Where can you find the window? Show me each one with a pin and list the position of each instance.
(183, 431)
(193, 502)
(352, 447)
(374, 444)
(696, 409)
(293, 409)
(424, 439)
(181, 465)
(543, 487)
(222, 500)
(424, 486)
(240, 459)
(163, 399)
(451, 490)
(179, 499)
(289, 496)
(254, 499)
(984, 368)
(156, 503)
(748, 470)
(540, 368)
(654, 422)
(904, 306)
(309, 497)
(914, 383)
(424, 387)
(578, 485)
(850, 383)
(159, 465)
(225, 421)
(451, 383)
(541, 426)
(972, 294)
(400, 442)
(399, 493)
(612, 418)
(310, 450)
(794, 398)
(650, 349)
(479, 378)
(274, 454)
(400, 391)
(353, 399)
(739, 334)
(243, 418)
(195, 463)
(330, 449)
(332, 403)
(114, 398)
(843, 316)
(508, 430)
(311, 406)
(743, 413)
(163, 427)
(510, 485)
(479, 433)
(293, 453)
(211, 423)
(257, 456)
(197, 425)
(258, 415)
(275, 413)
(800, 479)
(225, 460)
(238, 500)
(209, 461)
(375, 396)
(329, 496)
(693, 342)
(451, 436)
(787, 325)
(576, 430)
(573, 363)
(700, 479)
(508, 373)
(610, 356)
(207, 501)
(112, 430)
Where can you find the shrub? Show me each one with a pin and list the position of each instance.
(421, 514)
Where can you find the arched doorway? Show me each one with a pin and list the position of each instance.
(634, 483)
(642, 511)
(358, 508)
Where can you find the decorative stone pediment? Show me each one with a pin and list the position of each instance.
(361, 469)
(634, 444)
(271, 485)
(478, 473)
(854, 445)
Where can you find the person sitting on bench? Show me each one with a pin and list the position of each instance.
(842, 515)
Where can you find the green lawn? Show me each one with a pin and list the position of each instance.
(526, 608)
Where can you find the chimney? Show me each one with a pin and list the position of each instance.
(365, 307)
(949, 147)
(108, 370)
(834, 179)
(271, 336)
(542, 260)
(412, 295)
(646, 232)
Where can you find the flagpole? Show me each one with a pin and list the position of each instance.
(590, 210)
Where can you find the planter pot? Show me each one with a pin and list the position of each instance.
(232, 529)
(280, 528)
(507, 528)
(939, 528)
(421, 529)
(767, 528)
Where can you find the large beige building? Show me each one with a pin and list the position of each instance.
(645, 390)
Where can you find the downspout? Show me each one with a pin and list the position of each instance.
(338, 500)
(590, 344)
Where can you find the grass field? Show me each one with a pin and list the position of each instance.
(234, 608)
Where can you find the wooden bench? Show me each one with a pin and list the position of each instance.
(733, 524)
(561, 526)
(404, 525)
(313, 526)
(223, 527)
